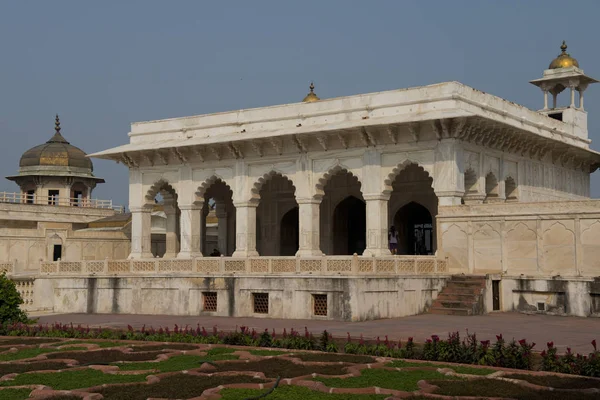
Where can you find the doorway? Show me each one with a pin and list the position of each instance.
(289, 235)
(57, 252)
(349, 227)
(415, 230)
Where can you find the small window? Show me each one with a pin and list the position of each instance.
(320, 304)
(210, 301)
(541, 306)
(261, 303)
(29, 199)
(53, 197)
(57, 253)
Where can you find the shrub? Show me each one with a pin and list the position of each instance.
(10, 299)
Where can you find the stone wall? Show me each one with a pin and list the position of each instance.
(331, 298)
(533, 239)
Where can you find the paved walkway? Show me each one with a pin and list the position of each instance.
(574, 332)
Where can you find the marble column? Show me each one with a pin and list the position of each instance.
(171, 236)
(308, 220)
(222, 228)
(448, 180)
(141, 234)
(190, 224)
(245, 226)
(377, 225)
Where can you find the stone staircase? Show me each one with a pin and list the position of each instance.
(462, 295)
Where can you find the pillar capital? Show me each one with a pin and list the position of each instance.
(376, 196)
(308, 200)
(138, 209)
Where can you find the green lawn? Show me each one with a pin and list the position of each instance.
(295, 393)
(14, 394)
(176, 363)
(461, 369)
(72, 379)
(264, 353)
(32, 352)
(398, 380)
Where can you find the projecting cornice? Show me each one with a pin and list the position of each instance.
(448, 110)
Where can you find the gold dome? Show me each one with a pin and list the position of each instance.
(564, 60)
(311, 97)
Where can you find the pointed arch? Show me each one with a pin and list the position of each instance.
(207, 184)
(260, 182)
(161, 186)
(335, 170)
(470, 181)
(491, 185)
(389, 180)
(510, 188)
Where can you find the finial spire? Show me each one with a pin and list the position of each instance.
(57, 124)
(563, 47)
(311, 96)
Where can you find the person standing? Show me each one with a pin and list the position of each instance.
(393, 240)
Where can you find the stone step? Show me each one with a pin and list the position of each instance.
(466, 283)
(449, 297)
(454, 304)
(450, 311)
(463, 290)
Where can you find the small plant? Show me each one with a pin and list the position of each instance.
(10, 300)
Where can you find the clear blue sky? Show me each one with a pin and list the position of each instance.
(103, 65)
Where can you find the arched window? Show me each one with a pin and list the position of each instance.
(510, 187)
(491, 186)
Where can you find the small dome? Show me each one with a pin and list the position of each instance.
(56, 152)
(564, 60)
(311, 97)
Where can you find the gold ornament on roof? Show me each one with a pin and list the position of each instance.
(564, 60)
(311, 97)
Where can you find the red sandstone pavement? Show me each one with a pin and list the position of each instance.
(574, 332)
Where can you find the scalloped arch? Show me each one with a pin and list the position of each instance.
(389, 180)
(160, 186)
(322, 182)
(207, 184)
(260, 182)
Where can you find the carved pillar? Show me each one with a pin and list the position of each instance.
(545, 99)
(245, 226)
(190, 224)
(448, 182)
(308, 213)
(222, 232)
(377, 225)
(171, 236)
(140, 232)
(572, 86)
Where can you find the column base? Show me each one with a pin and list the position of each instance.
(376, 252)
(170, 255)
(135, 256)
(244, 254)
(189, 254)
(309, 253)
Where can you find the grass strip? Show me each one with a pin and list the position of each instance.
(179, 386)
(25, 353)
(163, 347)
(102, 357)
(329, 357)
(398, 380)
(295, 393)
(67, 380)
(14, 394)
(274, 367)
(461, 369)
(34, 366)
(557, 382)
(265, 353)
(497, 388)
(102, 345)
(176, 363)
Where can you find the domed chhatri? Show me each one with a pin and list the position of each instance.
(564, 60)
(311, 97)
(56, 172)
(56, 152)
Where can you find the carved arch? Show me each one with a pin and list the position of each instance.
(491, 185)
(322, 182)
(470, 181)
(161, 186)
(260, 182)
(207, 184)
(389, 180)
(521, 227)
(510, 188)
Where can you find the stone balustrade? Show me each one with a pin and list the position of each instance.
(7, 266)
(325, 266)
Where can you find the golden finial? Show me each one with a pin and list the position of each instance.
(563, 46)
(564, 59)
(311, 97)
(57, 124)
